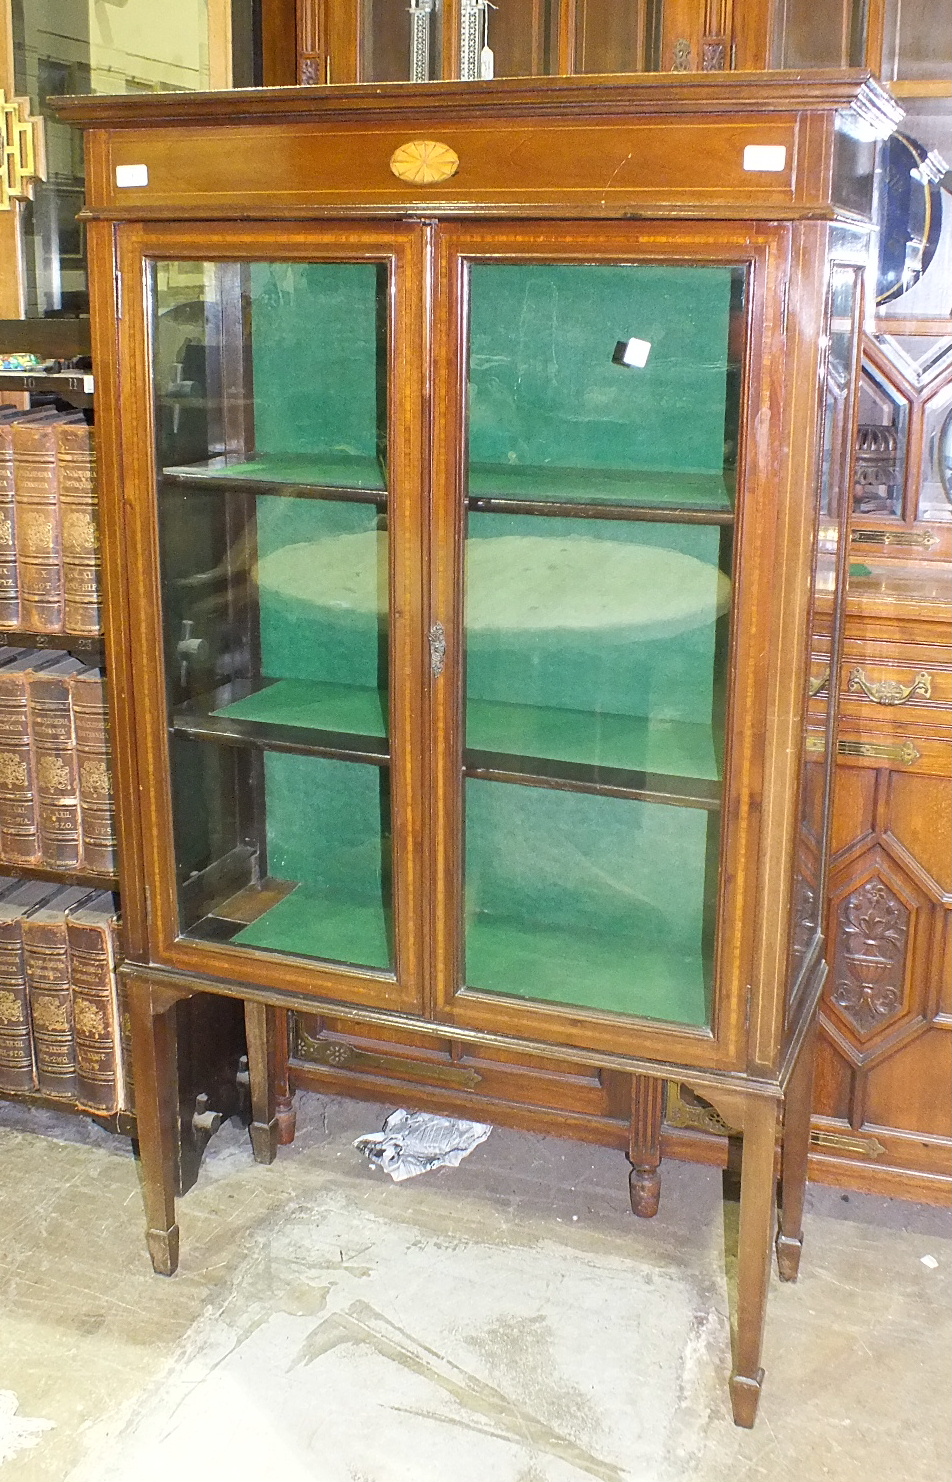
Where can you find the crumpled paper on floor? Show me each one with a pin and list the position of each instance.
(414, 1142)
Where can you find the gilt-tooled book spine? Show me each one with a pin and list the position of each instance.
(9, 586)
(55, 764)
(127, 1088)
(17, 1069)
(38, 526)
(97, 816)
(76, 461)
(19, 833)
(90, 933)
(46, 956)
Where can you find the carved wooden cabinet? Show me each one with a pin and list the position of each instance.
(883, 1058)
(476, 473)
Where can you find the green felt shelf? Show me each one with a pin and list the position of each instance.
(308, 924)
(320, 470)
(614, 973)
(649, 488)
(656, 488)
(620, 742)
(632, 743)
(628, 742)
(341, 708)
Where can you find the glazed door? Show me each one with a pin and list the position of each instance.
(588, 623)
(274, 568)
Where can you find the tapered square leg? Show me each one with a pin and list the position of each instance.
(283, 1095)
(647, 1110)
(155, 1070)
(262, 1030)
(795, 1156)
(755, 1242)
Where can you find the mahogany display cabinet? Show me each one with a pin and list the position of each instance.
(475, 463)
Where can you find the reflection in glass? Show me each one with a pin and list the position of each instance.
(818, 754)
(935, 495)
(881, 446)
(274, 550)
(134, 47)
(602, 468)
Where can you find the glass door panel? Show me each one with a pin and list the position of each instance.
(603, 426)
(271, 422)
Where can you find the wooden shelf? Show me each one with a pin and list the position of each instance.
(616, 782)
(621, 756)
(122, 1122)
(63, 875)
(76, 643)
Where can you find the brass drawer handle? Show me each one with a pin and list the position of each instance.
(345, 1057)
(819, 683)
(890, 691)
(882, 751)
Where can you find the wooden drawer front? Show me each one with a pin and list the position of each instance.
(897, 689)
(596, 168)
(899, 750)
(403, 1060)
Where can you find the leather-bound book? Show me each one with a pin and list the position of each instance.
(17, 899)
(19, 833)
(76, 463)
(9, 584)
(53, 739)
(91, 935)
(46, 957)
(39, 530)
(97, 818)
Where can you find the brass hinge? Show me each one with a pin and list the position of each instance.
(913, 539)
(848, 1142)
(883, 751)
(21, 145)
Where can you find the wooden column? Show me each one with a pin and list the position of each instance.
(644, 1154)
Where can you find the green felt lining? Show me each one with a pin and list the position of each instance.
(347, 708)
(618, 974)
(652, 488)
(307, 923)
(672, 748)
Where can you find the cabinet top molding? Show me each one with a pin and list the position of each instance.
(767, 146)
(592, 96)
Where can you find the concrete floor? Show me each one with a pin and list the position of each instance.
(506, 1321)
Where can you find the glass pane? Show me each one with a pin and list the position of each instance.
(917, 40)
(271, 416)
(935, 494)
(521, 36)
(915, 227)
(610, 37)
(818, 754)
(602, 465)
(134, 47)
(881, 447)
(400, 40)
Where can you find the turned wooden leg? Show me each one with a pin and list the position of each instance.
(796, 1150)
(755, 1243)
(283, 1095)
(644, 1154)
(261, 1032)
(156, 1095)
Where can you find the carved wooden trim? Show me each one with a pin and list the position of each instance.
(872, 934)
(22, 158)
(311, 52)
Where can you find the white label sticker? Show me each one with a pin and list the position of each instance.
(765, 157)
(635, 352)
(127, 175)
(89, 385)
